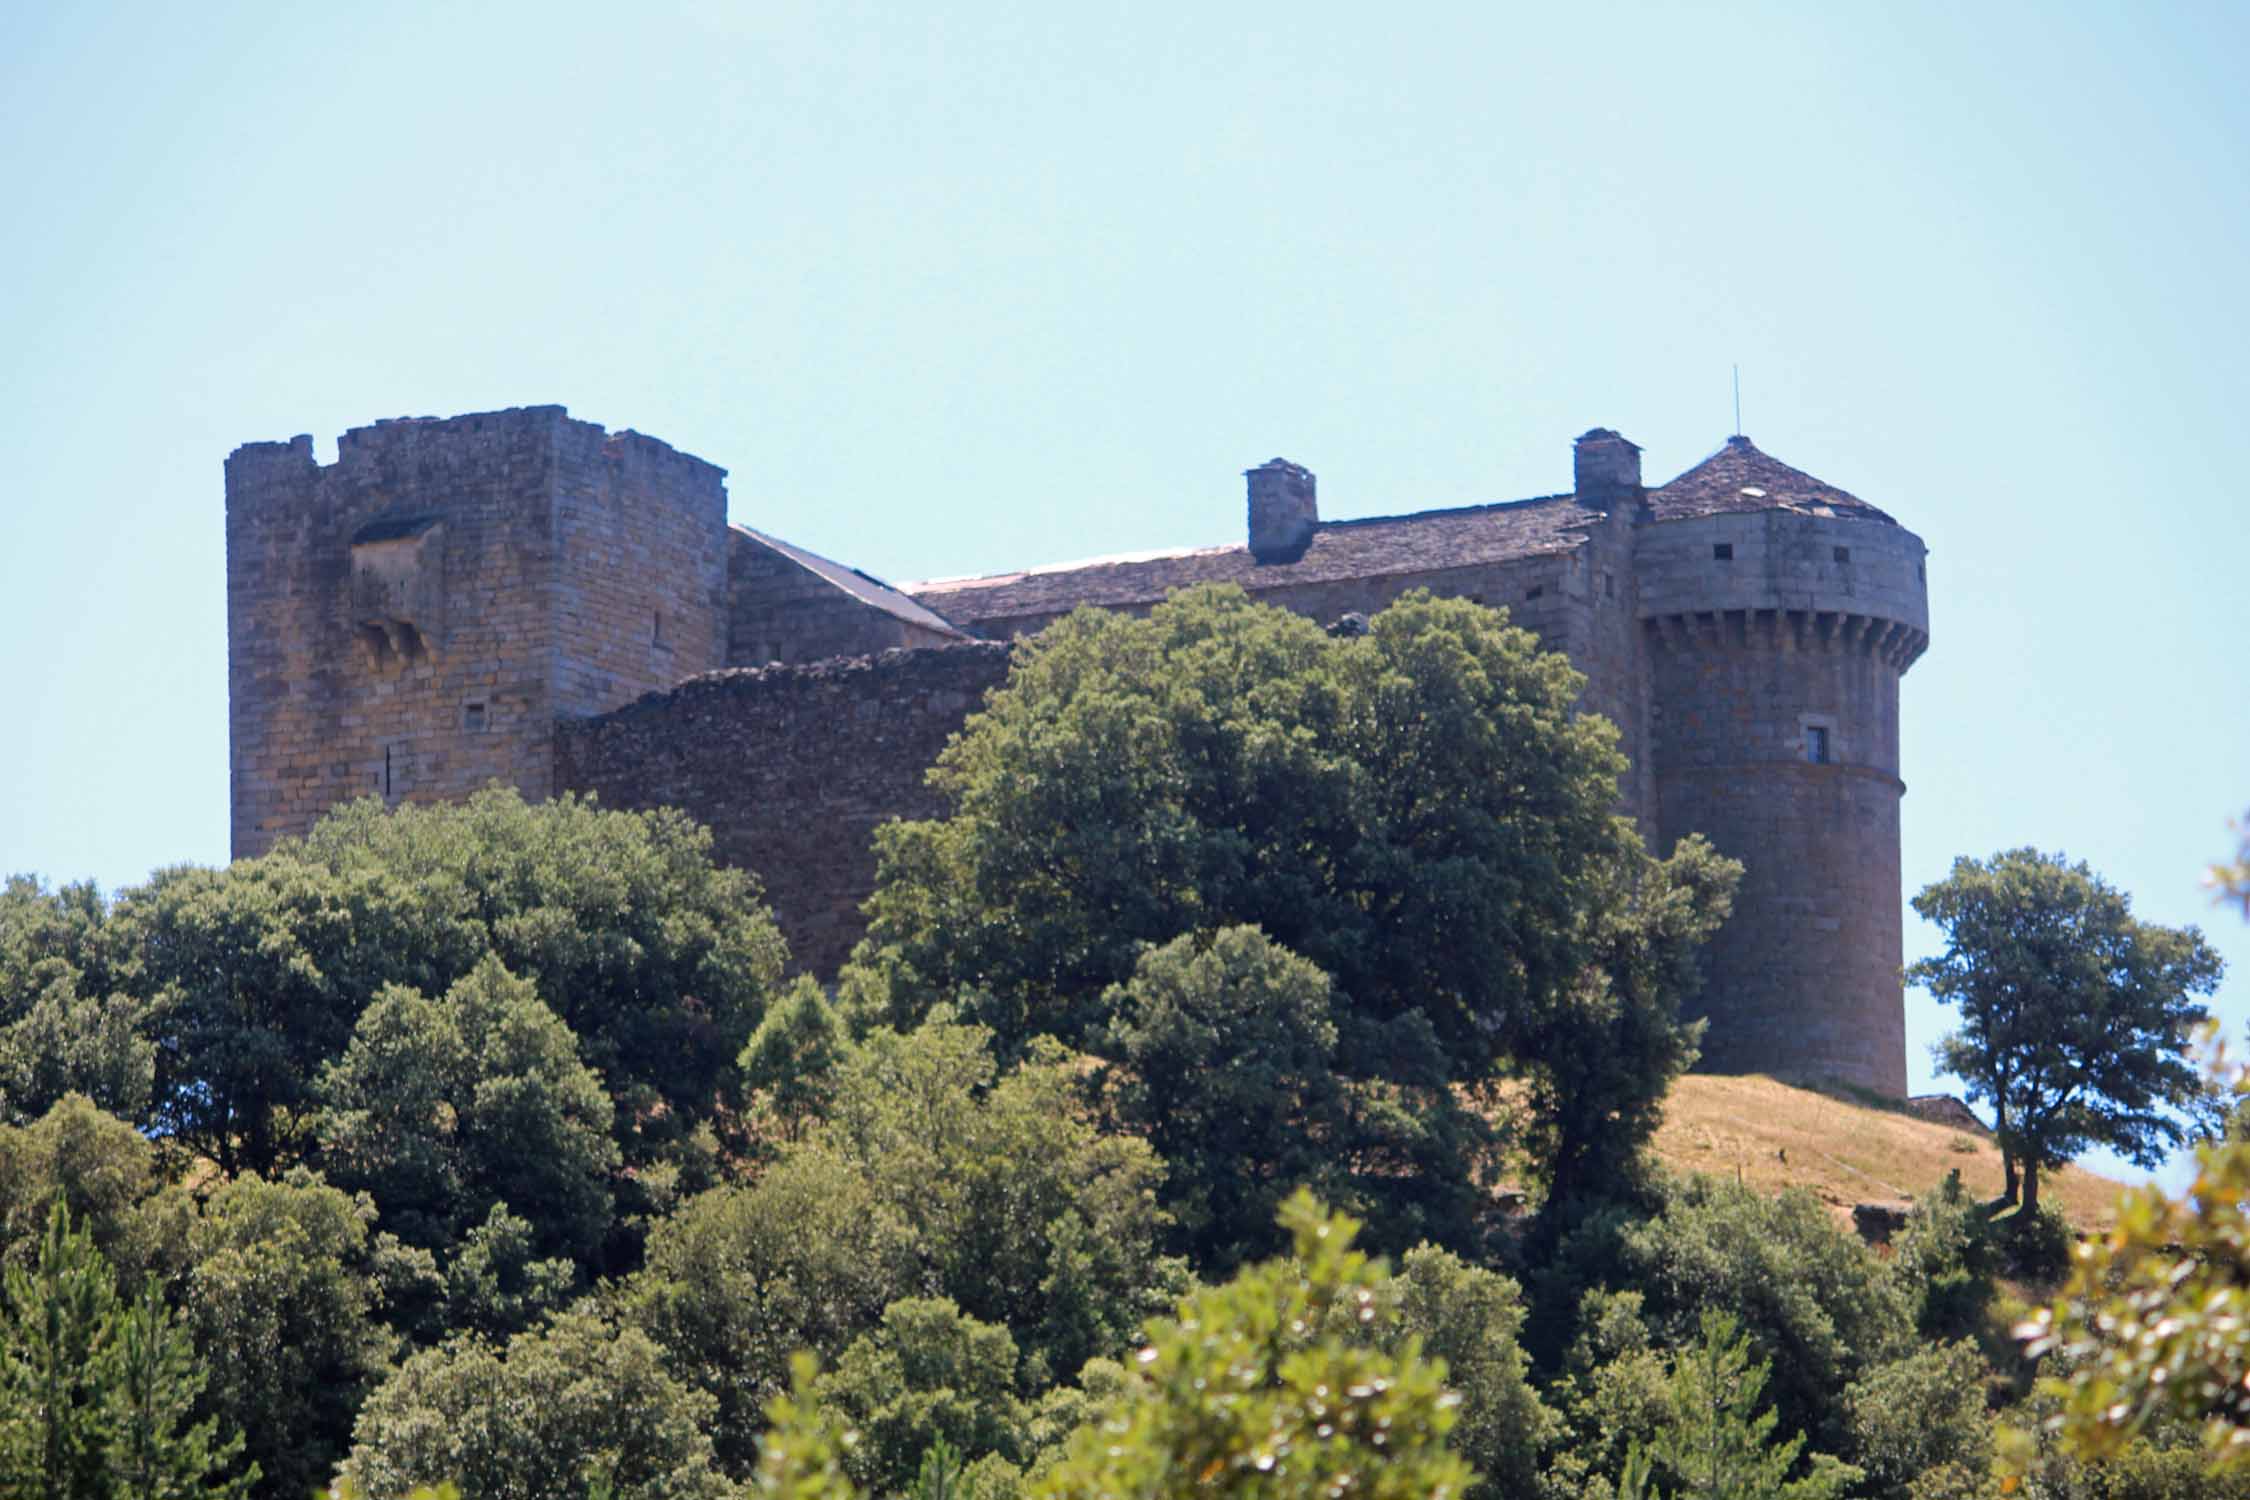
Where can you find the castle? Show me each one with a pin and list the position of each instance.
(521, 596)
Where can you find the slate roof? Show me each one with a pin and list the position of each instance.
(1371, 548)
(1741, 478)
(865, 587)
(1738, 477)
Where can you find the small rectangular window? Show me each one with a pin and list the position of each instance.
(1722, 551)
(1534, 591)
(1816, 744)
(472, 718)
(1609, 584)
(658, 637)
(1843, 554)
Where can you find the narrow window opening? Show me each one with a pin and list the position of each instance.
(1816, 744)
(472, 718)
(658, 637)
(1609, 584)
(1843, 554)
(1722, 551)
(1535, 591)
(386, 772)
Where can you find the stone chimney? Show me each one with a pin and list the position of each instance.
(1282, 511)
(1605, 469)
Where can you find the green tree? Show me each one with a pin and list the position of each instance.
(1813, 1300)
(660, 962)
(792, 1058)
(801, 1455)
(157, 1450)
(1255, 1388)
(96, 1394)
(250, 978)
(1945, 1262)
(282, 1306)
(67, 1043)
(738, 1280)
(934, 1176)
(1718, 1443)
(58, 1365)
(1919, 1425)
(1419, 812)
(445, 1110)
(926, 1374)
(1223, 1057)
(1019, 1210)
(581, 1406)
(496, 1285)
(2075, 1017)
(2153, 1325)
(1470, 1318)
(99, 1167)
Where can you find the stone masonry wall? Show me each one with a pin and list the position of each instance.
(410, 621)
(641, 601)
(792, 768)
(1804, 977)
(781, 611)
(323, 705)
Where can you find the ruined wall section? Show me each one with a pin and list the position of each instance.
(389, 617)
(792, 768)
(641, 596)
(1776, 641)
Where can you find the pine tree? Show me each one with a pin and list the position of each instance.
(1719, 1443)
(57, 1366)
(154, 1453)
(94, 1393)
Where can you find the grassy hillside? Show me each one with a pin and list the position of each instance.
(1842, 1150)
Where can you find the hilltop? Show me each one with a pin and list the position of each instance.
(1842, 1149)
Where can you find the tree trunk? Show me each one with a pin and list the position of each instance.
(2008, 1187)
(2030, 1187)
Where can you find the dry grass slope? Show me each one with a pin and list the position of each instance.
(1841, 1150)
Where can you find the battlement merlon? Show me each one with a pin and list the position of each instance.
(397, 440)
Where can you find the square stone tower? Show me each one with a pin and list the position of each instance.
(410, 621)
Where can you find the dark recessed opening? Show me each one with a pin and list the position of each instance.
(1816, 744)
(1534, 591)
(658, 637)
(1843, 554)
(1609, 584)
(472, 718)
(378, 645)
(1722, 551)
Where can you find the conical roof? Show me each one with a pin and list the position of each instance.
(1741, 478)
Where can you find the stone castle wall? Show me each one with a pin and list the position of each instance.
(409, 621)
(330, 699)
(454, 602)
(1805, 626)
(791, 768)
(779, 611)
(641, 538)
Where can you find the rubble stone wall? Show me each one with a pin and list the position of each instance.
(792, 768)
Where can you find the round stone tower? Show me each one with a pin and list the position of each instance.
(1778, 614)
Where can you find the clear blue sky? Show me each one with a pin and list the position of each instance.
(954, 288)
